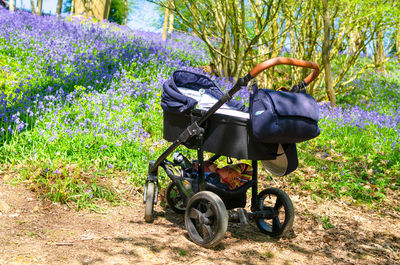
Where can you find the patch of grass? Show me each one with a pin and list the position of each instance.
(269, 255)
(326, 223)
(324, 220)
(31, 234)
(68, 184)
(182, 252)
(351, 162)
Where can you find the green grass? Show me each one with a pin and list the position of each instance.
(346, 162)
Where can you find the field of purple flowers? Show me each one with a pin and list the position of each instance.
(79, 106)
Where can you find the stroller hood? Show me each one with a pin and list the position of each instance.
(173, 100)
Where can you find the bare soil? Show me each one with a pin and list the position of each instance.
(35, 231)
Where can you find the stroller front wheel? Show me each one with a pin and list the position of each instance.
(174, 199)
(277, 212)
(206, 219)
(150, 192)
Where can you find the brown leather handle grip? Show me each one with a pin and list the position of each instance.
(287, 61)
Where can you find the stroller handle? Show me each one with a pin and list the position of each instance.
(287, 61)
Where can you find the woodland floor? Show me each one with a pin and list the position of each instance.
(35, 231)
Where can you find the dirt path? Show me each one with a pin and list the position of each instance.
(33, 231)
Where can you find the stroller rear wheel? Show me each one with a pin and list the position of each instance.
(278, 212)
(174, 199)
(150, 193)
(206, 219)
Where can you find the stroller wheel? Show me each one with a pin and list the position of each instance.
(278, 212)
(206, 219)
(174, 199)
(150, 192)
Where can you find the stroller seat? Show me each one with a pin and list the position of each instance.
(205, 102)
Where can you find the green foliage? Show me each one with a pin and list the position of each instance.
(326, 222)
(68, 183)
(117, 11)
(67, 6)
(182, 252)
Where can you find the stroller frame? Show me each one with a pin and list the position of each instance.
(206, 205)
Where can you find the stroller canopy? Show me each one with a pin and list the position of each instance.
(173, 100)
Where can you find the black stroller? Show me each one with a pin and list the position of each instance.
(223, 128)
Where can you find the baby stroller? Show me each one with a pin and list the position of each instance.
(221, 127)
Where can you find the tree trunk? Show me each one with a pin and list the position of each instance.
(12, 5)
(379, 55)
(59, 6)
(126, 12)
(398, 42)
(355, 41)
(171, 23)
(325, 53)
(274, 52)
(261, 48)
(107, 9)
(33, 7)
(39, 6)
(165, 26)
(72, 7)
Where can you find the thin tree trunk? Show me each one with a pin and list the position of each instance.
(12, 5)
(39, 5)
(261, 48)
(171, 23)
(59, 6)
(273, 52)
(325, 54)
(398, 41)
(126, 12)
(33, 7)
(379, 55)
(165, 26)
(72, 7)
(106, 9)
(355, 41)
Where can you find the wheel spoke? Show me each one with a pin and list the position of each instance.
(278, 204)
(207, 232)
(276, 224)
(209, 212)
(194, 213)
(204, 206)
(178, 200)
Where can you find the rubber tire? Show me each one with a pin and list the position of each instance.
(173, 202)
(284, 199)
(219, 218)
(150, 192)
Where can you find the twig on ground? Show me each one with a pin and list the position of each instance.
(64, 243)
